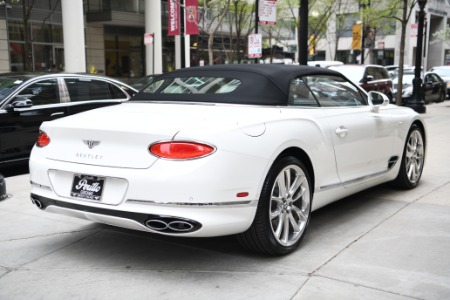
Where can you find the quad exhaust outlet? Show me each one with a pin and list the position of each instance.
(172, 224)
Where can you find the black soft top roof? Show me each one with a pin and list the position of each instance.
(261, 84)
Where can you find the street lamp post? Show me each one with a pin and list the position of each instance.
(303, 34)
(256, 22)
(417, 102)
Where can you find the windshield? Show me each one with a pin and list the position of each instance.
(8, 85)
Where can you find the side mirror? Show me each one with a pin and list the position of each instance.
(377, 100)
(22, 103)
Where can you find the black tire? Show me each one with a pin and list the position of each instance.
(442, 97)
(280, 209)
(413, 159)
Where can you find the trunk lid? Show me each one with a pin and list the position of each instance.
(119, 136)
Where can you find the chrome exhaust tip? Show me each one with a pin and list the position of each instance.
(157, 225)
(181, 226)
(169, 224)
(37, 203)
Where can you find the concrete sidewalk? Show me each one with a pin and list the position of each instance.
(379, 244)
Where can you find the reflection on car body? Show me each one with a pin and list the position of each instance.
(144, 81)
(249, 150)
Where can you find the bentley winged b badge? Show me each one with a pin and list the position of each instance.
(91, 144)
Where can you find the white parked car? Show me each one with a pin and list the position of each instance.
(249, 150)
(324, 63)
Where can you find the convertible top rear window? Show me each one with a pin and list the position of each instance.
(254, 84)
(193, 85)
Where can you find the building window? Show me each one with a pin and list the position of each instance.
(344, 56)
(344, 24)
(47, 33)
(388, 27)
(42, 57)
(46, 44)
(15, 31)
(16, 51)
(384, 56)
(124, 52)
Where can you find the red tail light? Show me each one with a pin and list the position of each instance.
(43, 139)
(180, 150)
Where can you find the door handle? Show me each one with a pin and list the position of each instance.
(57, 114)
(342, 131)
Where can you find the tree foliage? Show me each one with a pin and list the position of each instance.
(442, 35)
(213, 13)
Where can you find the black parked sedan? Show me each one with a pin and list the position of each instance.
(28, 99)
(434, 88)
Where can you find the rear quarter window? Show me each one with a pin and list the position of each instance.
(116, 92)
(87, 89)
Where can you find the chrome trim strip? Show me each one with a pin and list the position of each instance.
(356, 180)
(328, 187)
(13, 160)
(40, 186)
(196, 204)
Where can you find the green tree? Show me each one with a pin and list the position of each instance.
(406, 9)
(401, 11)
(320, 13)
(241, 23)
(376, 14)
(284, 30)
(340, 23)
(442, 35)
(213, 13)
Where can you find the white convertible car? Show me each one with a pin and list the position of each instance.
(249, 150)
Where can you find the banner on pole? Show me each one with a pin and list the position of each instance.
(191, 16)
(357, 37)
(173, 24)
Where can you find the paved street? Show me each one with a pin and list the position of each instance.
(379, 244)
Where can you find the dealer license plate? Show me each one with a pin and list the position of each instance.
(87, 187)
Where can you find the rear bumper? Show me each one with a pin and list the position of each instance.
(149, 221)
(205, 221)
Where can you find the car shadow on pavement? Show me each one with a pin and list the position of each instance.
(340, 224)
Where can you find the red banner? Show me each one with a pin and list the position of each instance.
(191, 16)
(173, 24)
